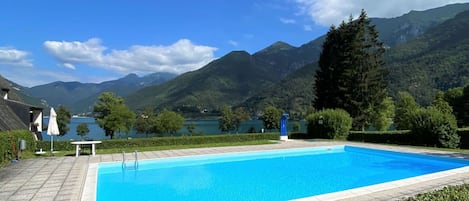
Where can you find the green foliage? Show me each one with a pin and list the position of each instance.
(82, 130)
(448, 193)
(166, 141)
(271, 118)
(191, 128)
(464, 134)
(63, 120)
(240, 115)
(296, 127)
(112, 114)
(389, 137)
(437, 60)
(9, 144)
(329, 124)
(432, 127)
(455, 98)
(405, 107)
(440, 104)
(169, 122)
(146, 122)
(226, 123)
(351, 72)
(383, 115)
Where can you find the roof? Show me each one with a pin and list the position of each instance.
(9, 120)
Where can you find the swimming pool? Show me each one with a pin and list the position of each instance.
(267, 175)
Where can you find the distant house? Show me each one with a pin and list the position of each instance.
(16, 115)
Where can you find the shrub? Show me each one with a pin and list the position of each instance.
(166, 141)
(9, 143)
(391, 137)
(330, 124)
(454, 193)
(432, 127)
(464, 134)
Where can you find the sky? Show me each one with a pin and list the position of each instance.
(93, 41)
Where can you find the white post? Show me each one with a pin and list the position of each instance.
(52, 145)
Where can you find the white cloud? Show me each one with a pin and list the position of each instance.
(69, 66)
(233, 43)
(179, 57)
(14, 57)
(328, 12)
(287, 21)
(307, 28)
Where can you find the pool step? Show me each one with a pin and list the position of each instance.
(132, 166)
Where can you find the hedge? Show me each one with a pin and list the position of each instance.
(164, 141)
(390, 137)
(404, 137)
(464, 134)
(9, 144)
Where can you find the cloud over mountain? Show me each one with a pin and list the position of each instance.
(179, 57)
(328, 12)
(14, 57)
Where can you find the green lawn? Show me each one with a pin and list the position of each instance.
(26, 155)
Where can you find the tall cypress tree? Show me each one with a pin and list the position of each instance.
(351, 74)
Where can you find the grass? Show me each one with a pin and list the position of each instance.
(27, 155)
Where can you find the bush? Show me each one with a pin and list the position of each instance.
(9, 143)
(165, 141)
(390, 137)
(432, 127)
(330, 124)
(464, 134)
(453, 193)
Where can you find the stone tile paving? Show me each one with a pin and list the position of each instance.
(63, 178)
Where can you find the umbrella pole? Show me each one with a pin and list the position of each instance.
(51, 145)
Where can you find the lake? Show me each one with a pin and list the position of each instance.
(207, 127)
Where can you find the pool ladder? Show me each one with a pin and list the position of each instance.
(131, 167)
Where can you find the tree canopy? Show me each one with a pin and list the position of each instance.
(112, 114)
(351, 73)
(271, 118)
(63, 119)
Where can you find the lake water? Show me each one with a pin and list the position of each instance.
(207, 127)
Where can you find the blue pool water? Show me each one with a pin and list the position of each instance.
(267, 175)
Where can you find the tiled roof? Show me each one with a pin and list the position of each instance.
(8, 118)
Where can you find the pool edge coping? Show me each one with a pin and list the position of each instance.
(90, 184)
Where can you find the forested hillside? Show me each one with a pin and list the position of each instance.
(437, 60)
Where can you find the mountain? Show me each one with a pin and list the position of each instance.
(228, 80)
(17, 92)
(436, 60)
(80, 97)
(267, 77)
(399, 30)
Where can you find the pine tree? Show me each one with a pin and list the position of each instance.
(351, 74)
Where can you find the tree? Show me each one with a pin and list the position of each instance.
(146, 122)
(455, 99)
(226, 123)
(240, 116)
(169, 122)
(82, 130)
(63, 119)
(440, 104)
(405, 107)
(271, 118)
(383, 115)
(191, 128)
(351, 73)
(112, 114)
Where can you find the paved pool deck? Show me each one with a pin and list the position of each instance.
(71, 178)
